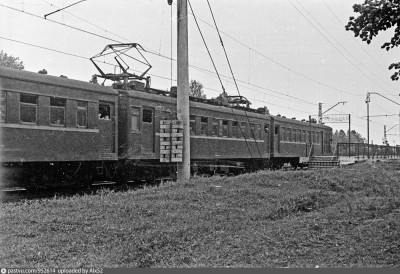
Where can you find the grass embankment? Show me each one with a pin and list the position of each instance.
(332, 218)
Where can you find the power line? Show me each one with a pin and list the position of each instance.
(71, 54)
(364, 66)
(333, 45)
(356, 41)
(155, 53)
(274, 61)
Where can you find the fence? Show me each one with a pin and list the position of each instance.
(361, 151)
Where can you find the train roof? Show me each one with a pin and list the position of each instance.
(53, 80)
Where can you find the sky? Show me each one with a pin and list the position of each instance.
(287, 55)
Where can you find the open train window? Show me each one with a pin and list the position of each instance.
(81, 114)
(135, 119)
(2, 106)
(266, 129)
(28, 108)
(57, 111)
(147, 115)
(203, 125)
(104, 111)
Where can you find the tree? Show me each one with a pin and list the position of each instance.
(376, 16)
(196, 89)
(10, 61)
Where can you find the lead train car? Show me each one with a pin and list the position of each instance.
(57, 131)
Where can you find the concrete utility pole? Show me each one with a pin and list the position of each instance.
(183, 90)
(367, 100)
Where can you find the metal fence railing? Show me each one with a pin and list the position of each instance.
(362, 151)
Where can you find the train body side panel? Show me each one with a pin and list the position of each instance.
(66, 124)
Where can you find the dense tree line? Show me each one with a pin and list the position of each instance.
(342, 137)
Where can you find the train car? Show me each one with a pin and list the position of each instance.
(294, 141)
(223, 139)
(55, 130)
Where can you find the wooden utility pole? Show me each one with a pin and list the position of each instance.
(183, 90)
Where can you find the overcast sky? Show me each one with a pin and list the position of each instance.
(288, 55)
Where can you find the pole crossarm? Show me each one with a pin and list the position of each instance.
(384, 97)
(343, 102)
(392, 127)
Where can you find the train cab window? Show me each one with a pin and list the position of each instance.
(28, 108)
(104, 112)
(147, 115)
(81, 114)
(192, 125)
(235, 129)
(135, 119)
(57, 111)
(203, 125)
(225, 128)
(214, 128)
(2, 106)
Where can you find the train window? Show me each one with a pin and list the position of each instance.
(2, 106)
(28, 108)
(243, 130)
(135, 119)
(288, 134)
(81, 113)
(258, 131)
(283, 134)
(225, 128)
(192, 125)
(255, 129)
(277, 130)
(266, 129)
(147, 115)
(57, 111)
(104, 112)
(294, 139)
(235, 129)
(203, 125)
(214, 128)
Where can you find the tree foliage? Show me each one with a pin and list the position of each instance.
(376, 16)
(342, 137)
(10, 61)
(196, 89)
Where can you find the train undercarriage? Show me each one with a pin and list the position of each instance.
(42, 175)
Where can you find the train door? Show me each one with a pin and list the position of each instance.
(322, 143)
(107, 127)
(277, 139)
(266, 138)
(148, 130)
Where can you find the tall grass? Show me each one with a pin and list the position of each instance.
(331, 218)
